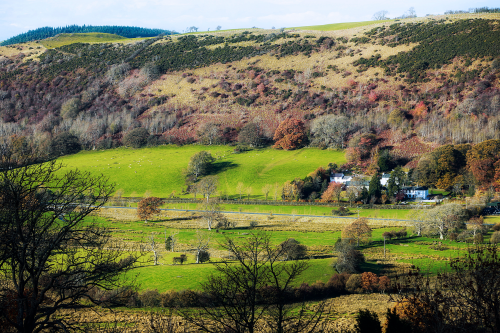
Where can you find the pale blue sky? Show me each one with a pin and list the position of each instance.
(17, 16)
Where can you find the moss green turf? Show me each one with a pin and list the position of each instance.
(159, 169)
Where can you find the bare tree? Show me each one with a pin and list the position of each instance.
(201, 243)
(443, 218)
(48, 244)
(330, 131)
(380, 15)
(253, 292)
(212, 216)
(357, 230)
(266, 189)
(239, 188)
(208, 186)
(351, 193)
(218, 28)
(248, 190)
(154, 249)
(277, 191)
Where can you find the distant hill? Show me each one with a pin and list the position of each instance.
(406, 87)
(46, 32)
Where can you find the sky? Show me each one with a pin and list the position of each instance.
(18, 16)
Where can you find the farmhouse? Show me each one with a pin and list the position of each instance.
(340, 178)
(414, 192)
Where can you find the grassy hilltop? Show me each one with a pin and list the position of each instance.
(159, 169)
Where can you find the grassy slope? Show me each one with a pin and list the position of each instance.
(92, 37)
(159, 169)
(340, 26)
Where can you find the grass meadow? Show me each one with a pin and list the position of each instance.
(91, 37)
(340, 26)
(400, 253)
(159, 169)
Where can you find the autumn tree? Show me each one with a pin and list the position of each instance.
(290, 134)
(464, 299)
(357, 231)
(334, 190)
(199, 164)
(149, 207)
(481, 159)
(52, 255)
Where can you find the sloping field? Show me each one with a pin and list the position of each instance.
(159, 169)
(340, 26)
(92, 37)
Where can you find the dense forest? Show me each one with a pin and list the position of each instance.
(395, 92)
(46, 32)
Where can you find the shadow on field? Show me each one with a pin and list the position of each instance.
(219, 167)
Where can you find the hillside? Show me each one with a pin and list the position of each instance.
(159, 169)
(414, 84)
(48, 32)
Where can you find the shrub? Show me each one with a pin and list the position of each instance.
(64, 144)
(496, 227)
(204, 256)
(253, 224)
(337, 283)
(136, 138)
(367, 322)
(495, 237)
(354, 284)
(452, 236)
(150, 298)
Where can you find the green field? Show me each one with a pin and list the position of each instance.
(159, 169)
(340, 26)
(91, 37)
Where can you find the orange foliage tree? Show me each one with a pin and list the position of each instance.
(357, 230)
(334, 190)
(369, 281)
(290, 134)
(148, 207)
(481, 161)
(420, 111)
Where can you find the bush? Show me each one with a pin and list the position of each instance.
(496, 227)
(253, 224)
(367, 322)
(64, 144)
(342, 211)
(136, 138)
(452, 236)
(204, 256)
(337, 282)
(354, 284)
(150, 298)
(495, 237)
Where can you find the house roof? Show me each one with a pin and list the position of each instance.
(386, 175)
(338, 175)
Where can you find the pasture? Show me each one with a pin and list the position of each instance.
(340, 26)
(319, 237)
(91, 37)
(159, 170)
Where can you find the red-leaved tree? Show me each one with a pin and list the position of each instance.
(333, 191)
(148, 207)
(290, 134)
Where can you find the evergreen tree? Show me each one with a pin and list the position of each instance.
(375, 188)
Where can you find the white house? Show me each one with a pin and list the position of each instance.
(340, 178)
(413, 192)
(385, 179)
